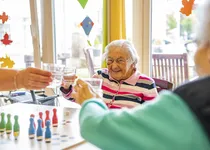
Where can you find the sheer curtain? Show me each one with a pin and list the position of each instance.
(113, 21)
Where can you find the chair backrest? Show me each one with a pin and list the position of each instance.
(170, 67)
(89, 61)
(163, 84)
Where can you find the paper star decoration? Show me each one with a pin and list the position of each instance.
(6, 40)
(3, 17)
(188, 6)
(87, 25)
(83, 3)
(7, 62)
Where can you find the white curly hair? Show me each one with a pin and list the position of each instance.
(124, 45)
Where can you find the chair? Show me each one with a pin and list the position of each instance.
(28, 59)
(163, 84)
(89, 60)
(170, 67)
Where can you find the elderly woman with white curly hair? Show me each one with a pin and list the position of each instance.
(123, 85)
(175, 120)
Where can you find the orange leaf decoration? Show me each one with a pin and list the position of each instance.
(4, 17)
(188, 5)
(7, 62)
(6, 40)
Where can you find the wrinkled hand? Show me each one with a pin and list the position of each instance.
(82, 91)
(67, 81)
(33, 78)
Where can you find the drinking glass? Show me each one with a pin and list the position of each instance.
(69, 74)
(57, 74)
(96, 84)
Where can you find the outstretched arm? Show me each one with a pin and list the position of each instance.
(30, 78)
(7, 79)
(166, 123)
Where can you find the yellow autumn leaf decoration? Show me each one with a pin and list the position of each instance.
(6, 62)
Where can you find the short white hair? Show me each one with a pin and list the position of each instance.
(203, 26)
(124, 45)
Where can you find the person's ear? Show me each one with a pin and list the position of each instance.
(132, 65)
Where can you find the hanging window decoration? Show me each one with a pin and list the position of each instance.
(4, 17)
(187, 7)
(83, 3)
(6, 40)
(87, 25)
(5, 61)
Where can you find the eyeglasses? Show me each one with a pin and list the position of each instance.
(119, 61)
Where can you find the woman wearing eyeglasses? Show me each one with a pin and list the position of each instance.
(123, 85)
(178, 120)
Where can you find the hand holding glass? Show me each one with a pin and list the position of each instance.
(57, 73)
(69, 76)
(96, 84)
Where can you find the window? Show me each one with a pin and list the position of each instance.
(70, 37)
(129, 19)
(173, 33)
(18, 29)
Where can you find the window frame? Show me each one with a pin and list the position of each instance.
(141, 32)
(35, 33)
(46, 53)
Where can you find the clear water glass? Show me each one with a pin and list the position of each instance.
(69, 74)
(96, 84)
(57, 74)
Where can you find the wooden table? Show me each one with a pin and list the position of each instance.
(65, 136)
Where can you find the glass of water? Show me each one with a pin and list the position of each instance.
(96, 84)
(69, 75)
(57, 73)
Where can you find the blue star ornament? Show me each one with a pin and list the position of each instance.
(87, 25)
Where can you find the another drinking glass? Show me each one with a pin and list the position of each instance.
(57, 74)
(96, 84)
(69, 75)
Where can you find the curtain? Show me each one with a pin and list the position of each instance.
(105, 29)
(113, 22)
(116, 20)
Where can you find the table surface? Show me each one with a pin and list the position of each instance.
(65, 136)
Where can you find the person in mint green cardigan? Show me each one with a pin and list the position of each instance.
(165, 124)
(175, 120)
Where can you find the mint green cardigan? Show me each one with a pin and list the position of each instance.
(164, 124)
